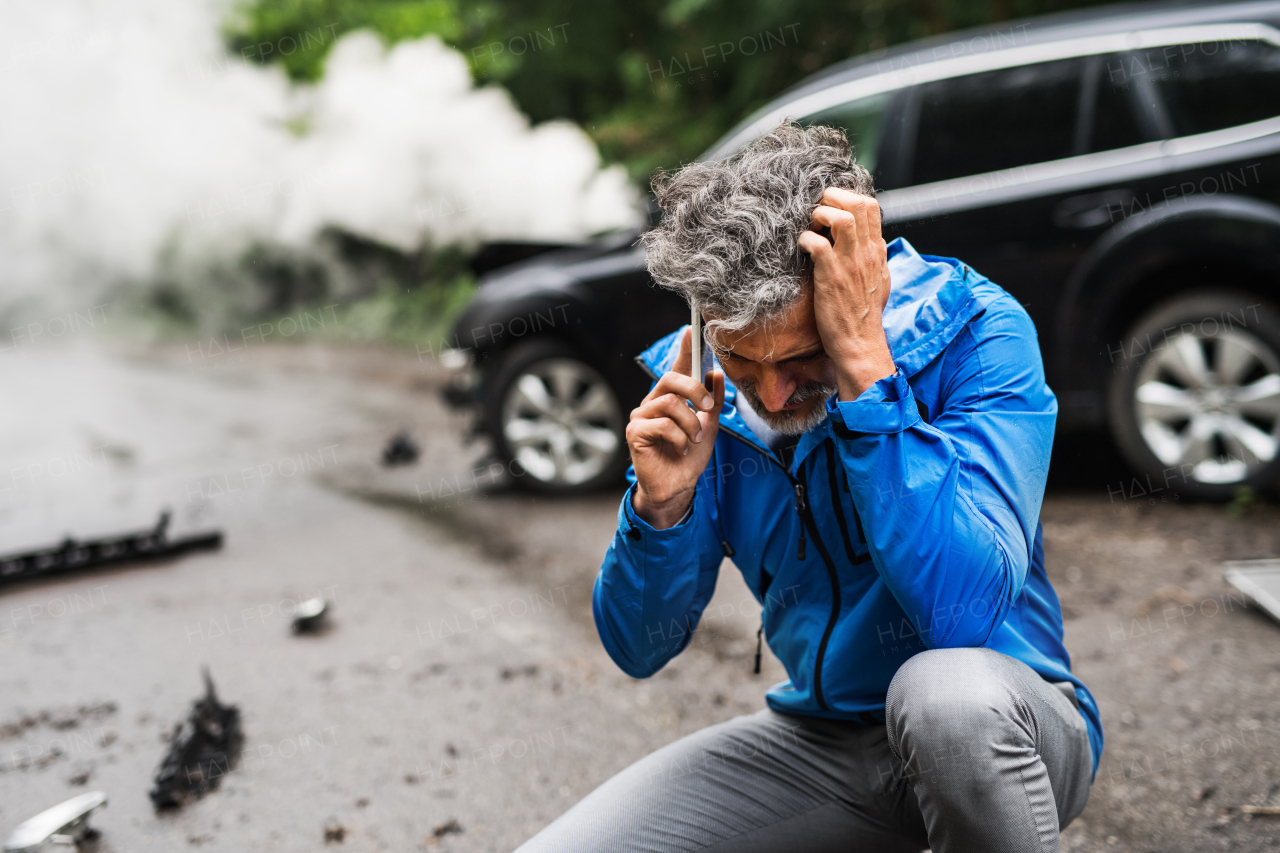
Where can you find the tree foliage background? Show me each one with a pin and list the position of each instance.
(626, 70)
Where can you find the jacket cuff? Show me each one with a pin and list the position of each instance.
(640, 531)
(888, 406)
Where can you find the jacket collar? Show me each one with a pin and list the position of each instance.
(930, 301)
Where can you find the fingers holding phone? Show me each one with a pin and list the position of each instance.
(670, 437)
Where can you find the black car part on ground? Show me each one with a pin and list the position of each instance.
(72, 555)
(401, 449)
(202, 750)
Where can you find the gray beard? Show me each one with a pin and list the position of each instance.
(792, 422)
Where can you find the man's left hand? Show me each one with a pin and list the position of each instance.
(850, 288)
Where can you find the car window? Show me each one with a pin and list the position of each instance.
(1116, 120)
(861, 120)
(996, 120)
(1212, 85)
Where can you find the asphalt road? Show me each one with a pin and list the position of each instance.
(460, 699)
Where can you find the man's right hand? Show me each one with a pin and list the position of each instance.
(670, 443)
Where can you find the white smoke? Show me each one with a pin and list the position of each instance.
(132, 145)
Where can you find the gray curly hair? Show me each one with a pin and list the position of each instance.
(728, 237)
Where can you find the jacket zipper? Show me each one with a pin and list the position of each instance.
(801, 508)
(806, 518)
(807, 521)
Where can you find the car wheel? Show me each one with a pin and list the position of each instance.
(555, 420)
(1195, 396)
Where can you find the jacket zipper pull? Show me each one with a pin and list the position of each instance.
(726, 548)
(801, 508)
(759, 645)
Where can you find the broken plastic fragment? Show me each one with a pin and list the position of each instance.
(1259, 580)
(65, 824)
(310, 616)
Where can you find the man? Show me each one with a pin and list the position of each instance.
(872, 458)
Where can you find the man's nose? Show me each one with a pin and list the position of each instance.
(775, 389)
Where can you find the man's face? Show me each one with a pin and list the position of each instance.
(782, 369)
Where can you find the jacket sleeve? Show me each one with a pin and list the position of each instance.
(654, 585)
(950, 508)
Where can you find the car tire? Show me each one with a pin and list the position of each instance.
(1194, 399)
(556, 422)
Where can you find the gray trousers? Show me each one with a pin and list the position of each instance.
(979, 754)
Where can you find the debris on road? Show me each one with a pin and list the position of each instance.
(1172, 593)
(334, 832)
(449, 827)
(60, 719)
(71, 555)
(67, 823)
(1261, 810)
(1175, 663)
(311, 617)
(201, 751)
(400, 450)
(1259, 580)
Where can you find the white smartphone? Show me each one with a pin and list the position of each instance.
(695, 366)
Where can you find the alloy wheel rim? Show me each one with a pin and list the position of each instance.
(1208, 406)
(560, 420)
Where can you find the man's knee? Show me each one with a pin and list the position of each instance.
(949, 701)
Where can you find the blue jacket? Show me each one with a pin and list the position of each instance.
(908, 520)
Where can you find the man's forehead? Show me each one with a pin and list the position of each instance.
(794, 334)
(768, 346)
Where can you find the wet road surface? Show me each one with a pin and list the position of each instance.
(460, 699)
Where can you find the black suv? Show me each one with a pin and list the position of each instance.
(1118, 172)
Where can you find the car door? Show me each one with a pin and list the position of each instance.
(972, 137)
(1018, 171)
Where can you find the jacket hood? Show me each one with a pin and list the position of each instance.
(930, 301)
